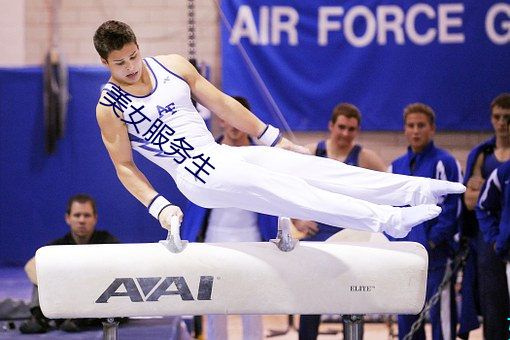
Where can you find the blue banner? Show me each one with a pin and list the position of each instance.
(295, 60)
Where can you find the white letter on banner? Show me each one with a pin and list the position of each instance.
(264, 25)
(244, 26)
(490, 18)
(350, 17)
(278, 25)
(385, 25)
(325, 25)
(412, 13)
(446, 22)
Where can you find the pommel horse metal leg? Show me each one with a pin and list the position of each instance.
(353, 327)
(110, 329)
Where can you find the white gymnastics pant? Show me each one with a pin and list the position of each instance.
(278, 182)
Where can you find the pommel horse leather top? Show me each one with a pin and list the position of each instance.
(123, 280)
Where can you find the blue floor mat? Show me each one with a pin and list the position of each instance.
(14, 284)
(134, 329)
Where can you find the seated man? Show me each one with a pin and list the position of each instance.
(81, 216)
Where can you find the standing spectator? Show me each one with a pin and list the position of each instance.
(424, 159)
(344, 128)
(484, 277)
(493, 213)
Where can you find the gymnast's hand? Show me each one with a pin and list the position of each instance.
(166, 215)
(286, 144)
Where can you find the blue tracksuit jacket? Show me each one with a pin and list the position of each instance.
(436, 163)
(493, 210)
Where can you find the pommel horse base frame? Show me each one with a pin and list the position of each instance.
(345, 275)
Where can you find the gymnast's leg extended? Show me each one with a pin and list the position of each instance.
(331, 175)
(236, 183)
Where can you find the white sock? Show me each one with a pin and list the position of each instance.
(442, 188)
(412, 216)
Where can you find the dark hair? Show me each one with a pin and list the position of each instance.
(81, 198)
(420, 108)
(347, 110)
(112, 35)
(244, 102)
(503, 101)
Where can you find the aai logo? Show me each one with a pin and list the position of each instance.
(152, 288)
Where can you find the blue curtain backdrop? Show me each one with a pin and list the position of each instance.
(303, 57)
(35, 185)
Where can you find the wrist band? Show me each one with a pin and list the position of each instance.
(270, 136)
(157, 205)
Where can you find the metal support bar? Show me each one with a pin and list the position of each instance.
(353, 327)
(110, 329)
(191, 30)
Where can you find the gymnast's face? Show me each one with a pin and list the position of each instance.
(344, 131)
(82, 221)
(125, 64)
(419, 131)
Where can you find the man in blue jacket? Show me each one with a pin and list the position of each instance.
(424, 159)
(484, 277)
(493, 212)
(229, 225)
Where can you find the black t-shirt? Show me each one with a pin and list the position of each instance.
(98, 237)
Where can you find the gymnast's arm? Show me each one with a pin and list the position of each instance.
(115, 138)
(224, 106)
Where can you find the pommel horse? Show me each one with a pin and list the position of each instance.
(173, 277)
